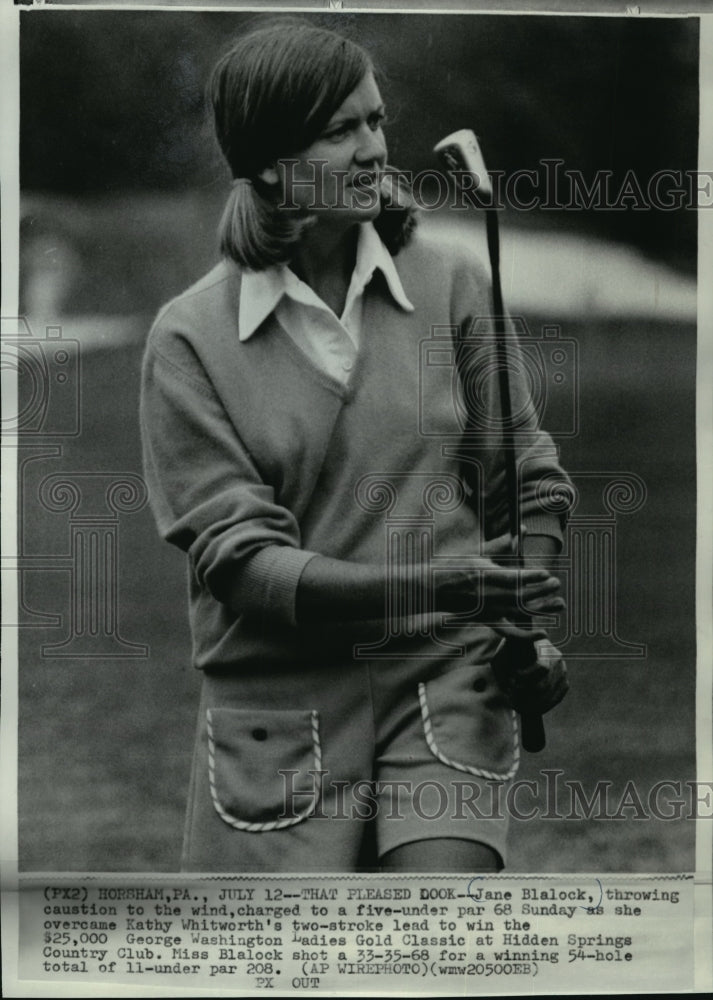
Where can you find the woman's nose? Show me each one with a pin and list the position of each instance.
(371, 148)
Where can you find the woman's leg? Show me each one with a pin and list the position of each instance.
(446, 854)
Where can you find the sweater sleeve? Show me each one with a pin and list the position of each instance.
(207, 495)
(542, 483)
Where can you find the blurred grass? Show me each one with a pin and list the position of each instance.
(105, 746)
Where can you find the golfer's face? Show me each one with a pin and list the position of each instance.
(337, 177)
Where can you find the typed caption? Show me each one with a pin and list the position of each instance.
(355, 933)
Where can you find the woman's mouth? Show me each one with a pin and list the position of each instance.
(364, 179)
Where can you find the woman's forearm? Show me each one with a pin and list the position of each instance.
(340, 590)
(337, 590)
(539, 551)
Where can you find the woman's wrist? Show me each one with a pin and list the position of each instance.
(539, 551)
(340, 590)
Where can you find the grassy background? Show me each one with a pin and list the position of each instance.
(105, 745)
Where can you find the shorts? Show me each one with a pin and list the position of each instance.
(327, 767)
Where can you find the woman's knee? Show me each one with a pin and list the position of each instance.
(446, 854)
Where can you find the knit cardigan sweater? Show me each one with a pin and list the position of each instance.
(256, 460)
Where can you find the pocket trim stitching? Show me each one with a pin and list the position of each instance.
(478, 772)
(277, 824)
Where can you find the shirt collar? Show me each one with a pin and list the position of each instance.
(261, 291)
(373, 255)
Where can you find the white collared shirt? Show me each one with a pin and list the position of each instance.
(331, 342)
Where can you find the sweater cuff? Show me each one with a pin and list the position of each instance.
(544, 524)
(272, 575)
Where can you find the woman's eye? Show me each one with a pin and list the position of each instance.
(337, 133)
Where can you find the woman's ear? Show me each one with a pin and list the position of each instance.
(269, 175)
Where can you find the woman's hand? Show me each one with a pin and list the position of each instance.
(492, 592)
(541, 685)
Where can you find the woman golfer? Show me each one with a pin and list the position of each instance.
(341, 574)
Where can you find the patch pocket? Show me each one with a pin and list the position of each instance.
(259, 765)
(467, 724)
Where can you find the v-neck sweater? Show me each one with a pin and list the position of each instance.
(256, 460)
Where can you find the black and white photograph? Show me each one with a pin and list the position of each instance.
(354, 377)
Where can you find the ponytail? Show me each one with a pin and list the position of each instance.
(253, 231)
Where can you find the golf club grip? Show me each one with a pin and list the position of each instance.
(532, 732)
(514, 655)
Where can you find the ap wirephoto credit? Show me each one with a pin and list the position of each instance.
(353, 553)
